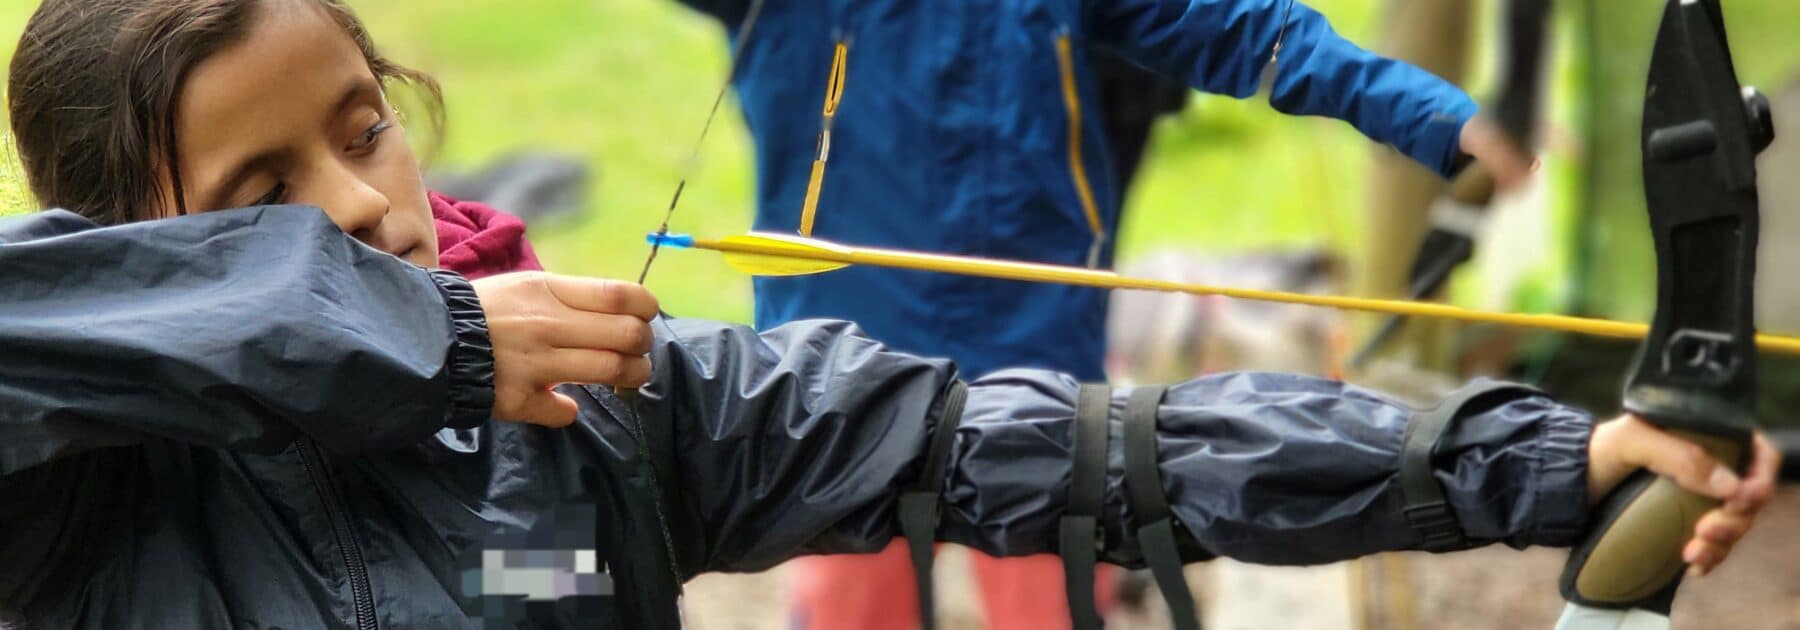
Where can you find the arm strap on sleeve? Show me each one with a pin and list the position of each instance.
(1427, 510)
(919, 504)
(1080, 538)
(1150, 509)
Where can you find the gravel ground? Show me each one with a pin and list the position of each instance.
(1488, 589)
(1501, 589)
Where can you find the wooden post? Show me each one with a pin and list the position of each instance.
(1433, 35)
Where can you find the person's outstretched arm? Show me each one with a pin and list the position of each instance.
(801, 440)
(1271, 468)
(810, 438)
(240, 329)
(728, 11)
(1224, 47)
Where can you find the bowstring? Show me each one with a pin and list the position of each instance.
(693, 159)
(628, 396)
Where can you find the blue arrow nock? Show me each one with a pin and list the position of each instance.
(683, 241)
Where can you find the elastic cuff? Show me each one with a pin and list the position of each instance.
(1562, 488)
(470, 364)
(1439, 144)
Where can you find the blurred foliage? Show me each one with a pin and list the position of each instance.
(1614, 278)
(624, 84)
(14, 197)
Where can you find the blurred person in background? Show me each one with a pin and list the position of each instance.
(975, 129)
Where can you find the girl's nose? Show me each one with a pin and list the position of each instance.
(356, 207)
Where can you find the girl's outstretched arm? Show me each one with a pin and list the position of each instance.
(803, 438)
(241, 329)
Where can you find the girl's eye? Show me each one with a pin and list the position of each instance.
(273, 197)
(373, 133)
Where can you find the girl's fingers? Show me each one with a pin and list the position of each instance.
(1714, 537)
(592, 331)
(1684, 462)
(1759, 479)
(1722, 527)
(596, 367)
(597, 295)
(1702, 557)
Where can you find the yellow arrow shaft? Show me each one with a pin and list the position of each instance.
(1034, 272)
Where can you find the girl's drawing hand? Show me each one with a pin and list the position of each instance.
(550, 329)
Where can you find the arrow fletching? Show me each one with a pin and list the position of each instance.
(785, 255)
(766, 254)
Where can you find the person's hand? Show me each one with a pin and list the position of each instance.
(550, 329)
(1628, 443)
(1484, 140)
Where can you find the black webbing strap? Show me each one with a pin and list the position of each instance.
(1080, 522)
(919, 504)
(1426, 509)
(1150, 509)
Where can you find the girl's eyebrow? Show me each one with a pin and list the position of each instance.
(364, 86)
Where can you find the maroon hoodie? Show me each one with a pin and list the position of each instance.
(477, 241)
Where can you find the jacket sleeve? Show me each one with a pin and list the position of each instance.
(1266, 468)
(240, 329)
(728, 11)
(801, 439)
(1224, 47)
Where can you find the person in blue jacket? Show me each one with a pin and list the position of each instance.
(972, 128)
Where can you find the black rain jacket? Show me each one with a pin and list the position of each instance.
(246, 419)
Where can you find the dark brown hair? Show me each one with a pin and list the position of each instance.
(94, 86)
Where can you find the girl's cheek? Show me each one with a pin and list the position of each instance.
(397, 175)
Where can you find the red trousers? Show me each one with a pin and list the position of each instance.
(875, 592)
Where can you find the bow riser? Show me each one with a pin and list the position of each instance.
(1695, 373)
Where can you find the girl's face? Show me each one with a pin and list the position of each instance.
(291, 114)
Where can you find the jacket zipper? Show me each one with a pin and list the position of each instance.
(337, 511)
(1065, 62)
(834, 93)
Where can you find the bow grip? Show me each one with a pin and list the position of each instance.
(1632, 558)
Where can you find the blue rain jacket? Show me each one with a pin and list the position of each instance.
(953, 135)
